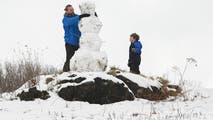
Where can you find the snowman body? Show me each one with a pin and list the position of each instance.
(89, 57)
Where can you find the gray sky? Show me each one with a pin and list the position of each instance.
(171, 30)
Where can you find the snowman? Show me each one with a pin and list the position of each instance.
(89, 57)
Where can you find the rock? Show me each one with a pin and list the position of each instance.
(33, 94)
(132, 86)
(99, 87)
(111, 91)
(140, 92)
(77, 80)
(73, 75)
(83, 92)
(100, 91)
(92, 87)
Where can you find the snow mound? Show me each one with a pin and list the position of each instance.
(92, 87)
(86, 76)
(95, 87)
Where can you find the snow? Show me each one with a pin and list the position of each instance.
(53, 85)
(142, 81)
(57, 109)
(41, 84)
(85, 60)
(90, 76)
(89, 57)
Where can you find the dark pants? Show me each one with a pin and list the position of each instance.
(134, 68)
(70, 51)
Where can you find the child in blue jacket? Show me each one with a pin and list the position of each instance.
(134, 53)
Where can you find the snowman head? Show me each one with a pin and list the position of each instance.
(87, 8)
(90, 24)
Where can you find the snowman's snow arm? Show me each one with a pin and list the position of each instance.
(67, 21)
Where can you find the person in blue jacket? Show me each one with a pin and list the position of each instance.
(134, 53)
(72, 33)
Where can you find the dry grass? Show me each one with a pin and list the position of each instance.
(25, 68)
(16, 73)
(49, 69)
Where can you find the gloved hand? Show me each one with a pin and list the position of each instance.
(83, 15)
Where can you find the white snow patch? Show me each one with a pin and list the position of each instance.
(90, 76)
(141, 81)
(54, 86)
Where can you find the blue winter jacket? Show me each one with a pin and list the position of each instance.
(135, 53)
(138, 46)
(72, 32)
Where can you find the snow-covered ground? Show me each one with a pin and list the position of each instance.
(56, 108)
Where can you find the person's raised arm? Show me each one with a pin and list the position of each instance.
(67, 21)
(84, 15)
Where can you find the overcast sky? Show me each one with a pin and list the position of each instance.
(170, 30)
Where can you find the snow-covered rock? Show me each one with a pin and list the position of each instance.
(141, 81)
(101, 91)
(95, 87)
(144, 87)
(8, 96)
(92, 87)
(33, 94)
(89, 57)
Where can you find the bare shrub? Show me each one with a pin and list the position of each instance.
(49, 69)
(18, 72)
(1, 78)
(25, 68)
(190, 88)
